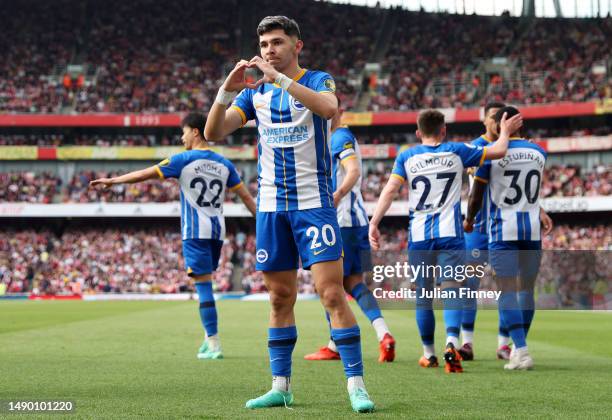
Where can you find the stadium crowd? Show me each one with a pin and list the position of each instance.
(130, 260)
(558, 181)
(141, 56)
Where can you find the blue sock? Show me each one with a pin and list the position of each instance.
(348, 341)
(425, 319)
(208, 311)
(366, 301)
(452, 313)
(470, 305)
(527, 305)
(503, 331)
(281, 342)
(513, 318)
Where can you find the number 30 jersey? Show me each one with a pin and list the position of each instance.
(434, 175)
(204, 177)
(514, 190)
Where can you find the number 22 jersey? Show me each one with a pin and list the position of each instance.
(434, 175)
(204, 177)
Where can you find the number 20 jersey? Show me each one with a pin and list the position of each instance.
(294, 158)
(204, 177)
(514, 190)
(434, 175)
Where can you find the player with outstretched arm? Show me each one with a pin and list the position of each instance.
(204, 177)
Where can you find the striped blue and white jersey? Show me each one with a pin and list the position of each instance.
(294, 159)
(481, 221)
(350, 210)
(434, 175)
(514, 191)
(204, 177)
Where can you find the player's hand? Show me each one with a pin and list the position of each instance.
(337, 199)
(104, 182)
(374, 236)
(236, 80)
(547, 223)
(510, 125)
(270, 73)
(468, 226)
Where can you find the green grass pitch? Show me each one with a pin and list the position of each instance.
(137, 360)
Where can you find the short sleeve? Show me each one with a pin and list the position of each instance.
(483, 174)
(233, 179)
(171, 167)
(399, 168)
(470, 155)
(343, 145)
(323, 83)
(244, 105)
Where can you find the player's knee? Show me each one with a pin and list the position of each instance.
(332, 297)
(281, 299)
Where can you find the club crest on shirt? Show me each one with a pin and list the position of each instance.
(297, 105)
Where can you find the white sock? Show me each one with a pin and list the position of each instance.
(380, 326)
(281, 383)
(502, 340)
(467, 336)
(332, 346)
(355, 382)
(429, 350)
(213, 341)
(520, 351)
(452, 339)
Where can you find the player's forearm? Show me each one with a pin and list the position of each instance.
(136, 176)
(322, 104)
(213, 130)
(247, 199)
(384, 202)
(475, 201)
(349, 182)
(499, 148)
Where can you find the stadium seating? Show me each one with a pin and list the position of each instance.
(151, 57)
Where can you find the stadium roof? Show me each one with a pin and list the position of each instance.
(546, 8)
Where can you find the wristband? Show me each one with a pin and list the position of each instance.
(224, 97)
(283, 81)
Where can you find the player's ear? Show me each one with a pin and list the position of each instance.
(299, 44)
(418, 134)
(443, 131)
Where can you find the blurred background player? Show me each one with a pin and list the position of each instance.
(204, 178)
(514, 233)
(353, 220)
(477, 245)
(434, 173)
(296, 218)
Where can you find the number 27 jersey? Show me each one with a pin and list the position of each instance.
(434, 175)
(204, 177)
